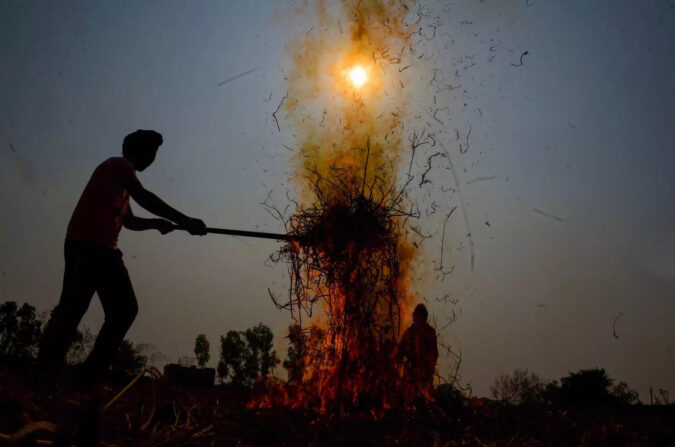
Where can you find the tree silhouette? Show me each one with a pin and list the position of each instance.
(588, 387)
(662, 397)
(623, 395)
(202, 350)
(518, 388)
(232, 353)
(261, 360)
(305, 349)
(20, 332)
(129, 361)
(594, 387)
(585, 388)
(247, 355)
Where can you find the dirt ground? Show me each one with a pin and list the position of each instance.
(154, 412)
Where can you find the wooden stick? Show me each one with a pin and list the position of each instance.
(258, 234)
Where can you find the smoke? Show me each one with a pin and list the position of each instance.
(347, 103)
(341, 127)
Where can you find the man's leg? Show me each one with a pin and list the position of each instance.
(120, 307)
(78, 289)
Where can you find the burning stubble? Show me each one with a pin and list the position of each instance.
(351, 255)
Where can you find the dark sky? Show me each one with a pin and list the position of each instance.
(571, 163)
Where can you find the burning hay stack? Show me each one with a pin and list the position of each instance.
(347, 259)
(350, 257)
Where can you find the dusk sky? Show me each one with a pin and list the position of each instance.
(568, 183)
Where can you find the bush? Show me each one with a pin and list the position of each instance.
(592, 388)
(519, 388)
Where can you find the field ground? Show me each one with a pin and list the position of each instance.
(153, 412)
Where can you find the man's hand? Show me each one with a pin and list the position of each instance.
(195, 226)
(164, 226)
(156, 206)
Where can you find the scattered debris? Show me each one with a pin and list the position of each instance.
(614, 324)
(480, 179)
(460, 197)
(274, 115)
(237, 76)
(466, 147)
(552, 216)
(521, 59)
(424, 179)
(445, 222)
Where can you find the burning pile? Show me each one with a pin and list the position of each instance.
(347, 258)
(350, 259)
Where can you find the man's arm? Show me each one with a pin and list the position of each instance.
(134, 223)
(157, 206)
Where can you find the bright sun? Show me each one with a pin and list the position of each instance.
(358, 76)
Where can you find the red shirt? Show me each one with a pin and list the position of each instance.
(103, 205)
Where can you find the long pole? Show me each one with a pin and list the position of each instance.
(258, 234)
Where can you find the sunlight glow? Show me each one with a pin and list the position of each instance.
(358, 76)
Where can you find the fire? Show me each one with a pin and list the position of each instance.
(358, 76)
(350, 267)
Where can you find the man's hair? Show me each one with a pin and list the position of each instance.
(421, 309)
(140, 141)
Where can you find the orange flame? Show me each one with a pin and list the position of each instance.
(346, 98)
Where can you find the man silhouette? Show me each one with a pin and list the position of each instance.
(94, 263)
(418, 350)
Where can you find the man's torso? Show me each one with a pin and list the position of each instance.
(103, 205)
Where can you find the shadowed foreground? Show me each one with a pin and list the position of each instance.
(151, 411)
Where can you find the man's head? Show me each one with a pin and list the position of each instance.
(140, 147)
(420, 314)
